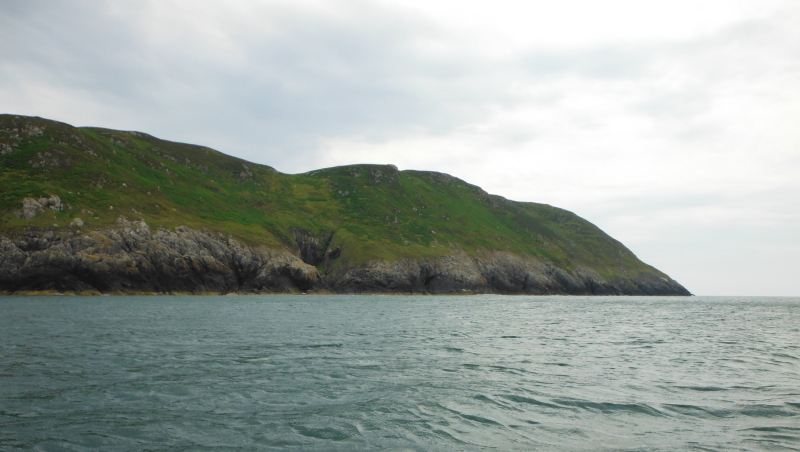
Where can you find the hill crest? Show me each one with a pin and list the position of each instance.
(340, 222)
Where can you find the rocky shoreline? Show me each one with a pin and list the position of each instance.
(130, 259)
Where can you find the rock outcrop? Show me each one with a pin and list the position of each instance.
(31, 207)
(500, 272)
(131, 258)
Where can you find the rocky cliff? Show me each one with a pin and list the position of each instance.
(133, 259)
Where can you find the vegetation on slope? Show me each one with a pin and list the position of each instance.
(368, 211)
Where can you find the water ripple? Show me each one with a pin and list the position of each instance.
(399, 373)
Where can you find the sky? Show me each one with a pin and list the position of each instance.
(674, 126)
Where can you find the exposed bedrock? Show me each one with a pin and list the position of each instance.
(500, 272)
(131, 258)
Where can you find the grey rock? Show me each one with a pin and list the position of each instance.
(52, 158)
(53, 202)
(245, 173)
(498, 272)
(33, 130)
(30, 208)
(312, 248)
(131, 258)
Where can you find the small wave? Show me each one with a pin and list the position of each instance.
(775, 434)
(696, 411)
(509, 370)
(768, 411)
(610, 407)
(454, 349)
(754, 388)
(490, 400)
(773, 429)
(482, 420)
(328, 433)
(451, 437)
(703, 388)
(735, 360)
(529, 401)
(644, 342)
(510, 337)
(368, 367)
(253, 359)
(321, 345)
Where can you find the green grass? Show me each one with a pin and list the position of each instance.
(374, 211)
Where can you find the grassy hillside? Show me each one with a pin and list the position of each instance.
(369, 211)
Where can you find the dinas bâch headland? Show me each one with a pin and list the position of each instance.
(90, 210)
(417, 225)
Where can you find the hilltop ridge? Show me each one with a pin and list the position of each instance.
(97, 210)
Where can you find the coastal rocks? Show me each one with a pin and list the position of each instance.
(448, 274)
(503, 273)
(131, 258)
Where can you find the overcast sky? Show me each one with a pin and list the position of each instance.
(672, 125)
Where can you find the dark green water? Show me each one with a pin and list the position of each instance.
(399, 373)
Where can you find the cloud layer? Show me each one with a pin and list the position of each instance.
(671, 125)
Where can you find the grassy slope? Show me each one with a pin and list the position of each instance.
(374, 211)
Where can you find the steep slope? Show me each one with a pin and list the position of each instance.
(79, 207)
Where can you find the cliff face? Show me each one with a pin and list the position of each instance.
(501, 272)
(132, 259)
(202, 221)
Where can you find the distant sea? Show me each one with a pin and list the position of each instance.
(418, 373)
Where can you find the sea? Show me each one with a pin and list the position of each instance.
(399, 373)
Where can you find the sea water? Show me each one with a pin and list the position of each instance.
(423, 373)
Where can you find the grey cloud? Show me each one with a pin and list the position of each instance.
(680, 103)
(607, 62)
(285, 79)
(77, 44)
(744, 51)
(751, 58)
